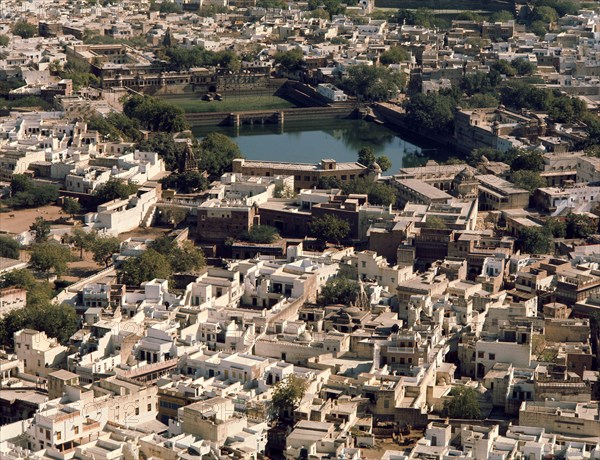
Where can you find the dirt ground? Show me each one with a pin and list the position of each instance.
(79, 269)
(18, 221)
(152, 232)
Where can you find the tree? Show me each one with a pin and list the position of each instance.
(50, 257)
(366, 156)
(580, 226)
(435, 222)
(528, 160)
(523, 67)
(480, 101)
(41, 228)
(82, 240)
(394, 55)
(9, 248)
(28, 194)
(38, 292)
(4, 40)
(21, 183)
(290, 61)
(173, 153)
(24, 30)
(145, 267)
(545, 14)
(382, 194)
(333, 7)
(169, 7)
(270, 4)
(535, 240)
(287, 394)
(373, 83)
(103, 248)
(115, 127)
(433, 111)
(58, 321)
(384, 162)
(339, 290)
(464, 404)
(71, 206)
(217, 154)
(113, 189)
(528, 180)
(420, 17)
(501, 16)
(330, 228)
(538, 28)
(186, 182)
(557, 228)
(21, 278)
(504, 68)
(482, 82)
(262, 234)
(172, 215)
(183, 257)
(187, 258)
(155, 114)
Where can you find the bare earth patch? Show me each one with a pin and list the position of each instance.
(18, 221)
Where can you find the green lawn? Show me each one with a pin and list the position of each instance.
(231, 104)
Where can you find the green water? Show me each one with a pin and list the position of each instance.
(309, 142)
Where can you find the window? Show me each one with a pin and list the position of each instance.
(493, 356)
(58, 435)
(480, 354)
(149, 407)
(137, 411)
(76, 430)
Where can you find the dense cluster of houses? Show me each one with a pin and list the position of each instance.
(444, 301)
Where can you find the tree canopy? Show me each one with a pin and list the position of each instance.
(155, 114)
(580, 226)
(394, 55)
(528, 180)
(339, 290)
(217, 152)
(535, 240)
(432, 111)
(9, 247)
(113, 189)
(27, 194)
(145, 267)
(184, 58)
(373, 83)
(291, 60)
(50, 258)
(71, 206)
(103, 248)
(464, 403)
(260, 234)
(41, 229)
(330, 228)
(182, 257)
(24, 30)
(287, 394)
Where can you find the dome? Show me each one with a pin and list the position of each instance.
(466, 174)
(375, 167)
(354, 312)
(305, 337)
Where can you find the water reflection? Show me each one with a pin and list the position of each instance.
(314, 140)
